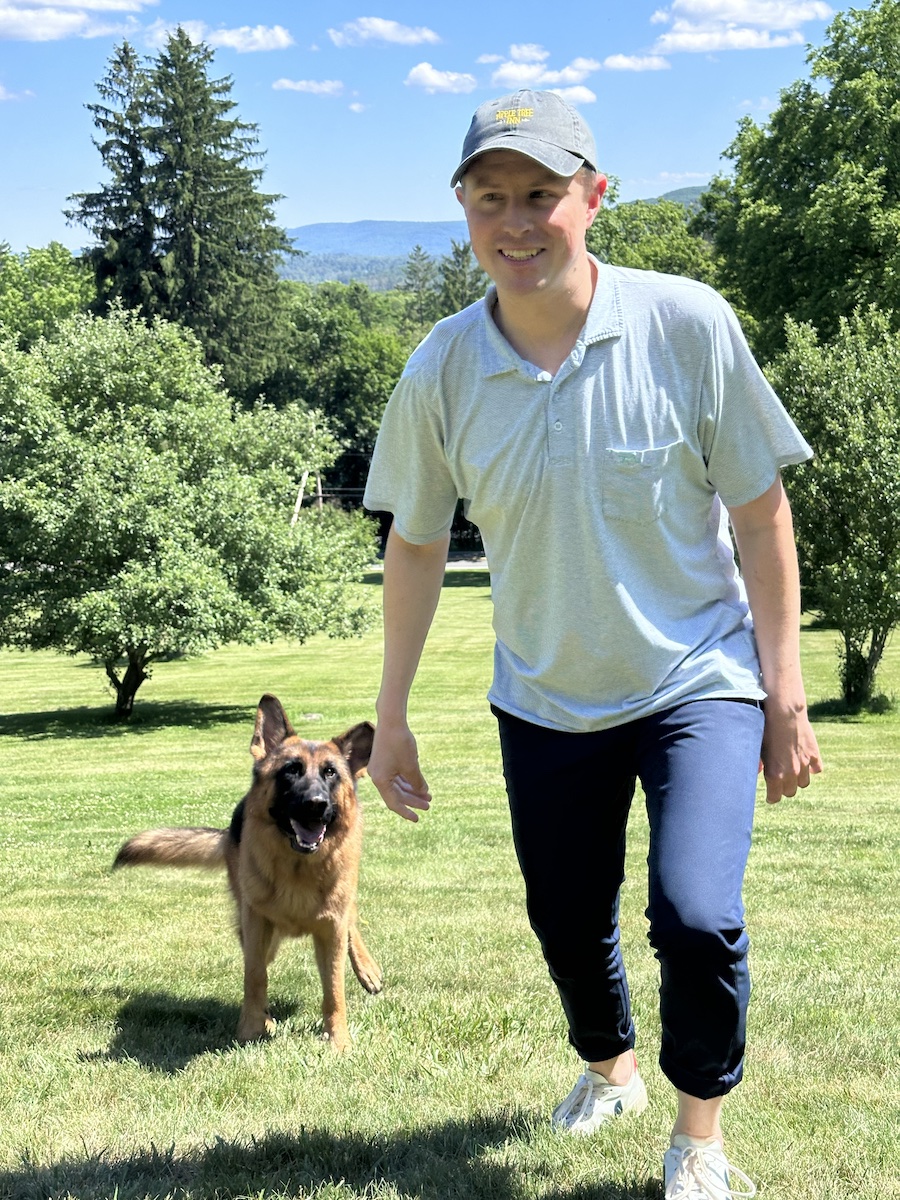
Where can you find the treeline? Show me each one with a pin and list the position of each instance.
(185, 261)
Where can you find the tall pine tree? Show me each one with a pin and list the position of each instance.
(184, 231)
(461, 281)
(120, 215)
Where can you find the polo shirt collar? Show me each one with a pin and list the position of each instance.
(604, 321)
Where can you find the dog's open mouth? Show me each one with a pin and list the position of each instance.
(307, 838)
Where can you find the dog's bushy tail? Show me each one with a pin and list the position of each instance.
(176, 847)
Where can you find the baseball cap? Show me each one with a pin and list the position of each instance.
(540, 125)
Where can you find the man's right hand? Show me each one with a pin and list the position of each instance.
(394, 769)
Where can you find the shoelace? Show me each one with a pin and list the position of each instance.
(694, 1171)
(579, 1101)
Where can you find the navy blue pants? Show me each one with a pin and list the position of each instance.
(569, 796)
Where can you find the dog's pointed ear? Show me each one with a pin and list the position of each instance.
(272, 727)
(356, 746)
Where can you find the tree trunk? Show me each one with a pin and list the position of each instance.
(858, 669)
(126, 687)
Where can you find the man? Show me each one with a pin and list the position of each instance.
(602, 425)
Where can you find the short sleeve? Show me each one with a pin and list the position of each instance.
(409, 475)
(746, 433)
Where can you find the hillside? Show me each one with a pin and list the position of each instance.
(378, 239)
(374, 252)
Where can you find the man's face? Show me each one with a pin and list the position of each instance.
(526, 224)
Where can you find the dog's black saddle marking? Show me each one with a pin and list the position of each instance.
(236, 828)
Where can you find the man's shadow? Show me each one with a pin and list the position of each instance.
(449, 1161)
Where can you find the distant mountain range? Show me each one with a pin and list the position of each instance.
(375, 252)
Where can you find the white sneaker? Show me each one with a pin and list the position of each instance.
(594, 1100)
(697, 1169)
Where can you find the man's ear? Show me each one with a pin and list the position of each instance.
(459, 194)
(596, 196)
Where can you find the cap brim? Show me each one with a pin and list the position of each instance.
(559, 161)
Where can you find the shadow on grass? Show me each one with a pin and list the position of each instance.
(444, 1162)
(457, 577)
(87, 722)
(833, 710)
(840, 710)
(165, 1033)
(460, 577)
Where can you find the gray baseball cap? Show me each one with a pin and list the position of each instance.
(540, 125)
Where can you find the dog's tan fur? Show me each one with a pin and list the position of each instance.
(278, 890)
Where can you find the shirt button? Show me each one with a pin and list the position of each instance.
(558, 426)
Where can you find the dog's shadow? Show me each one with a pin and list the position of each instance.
(470, 1157)
(166, 1033)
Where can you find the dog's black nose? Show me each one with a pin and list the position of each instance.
(315, 810)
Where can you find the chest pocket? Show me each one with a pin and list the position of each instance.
(633, 483)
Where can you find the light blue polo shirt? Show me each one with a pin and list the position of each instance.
(599, 492)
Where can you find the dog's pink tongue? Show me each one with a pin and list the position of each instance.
(308, 836)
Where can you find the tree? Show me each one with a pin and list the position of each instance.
(650, 235)
(121, 214)
(461, 280)
(140, 516)
(809, 226)
(342, 354)
(40, 288)
(846, 397)
(420, 276)
(183, 231)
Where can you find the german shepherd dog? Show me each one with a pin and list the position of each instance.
(292, 855)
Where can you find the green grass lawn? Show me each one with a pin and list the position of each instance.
(118, 1074)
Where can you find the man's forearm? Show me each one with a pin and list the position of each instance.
(413, 576)
(765, 538)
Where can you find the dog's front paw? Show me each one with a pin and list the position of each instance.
(338, 1037)
(255, 1027)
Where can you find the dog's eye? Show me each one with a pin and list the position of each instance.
(295, 769)
(328, 771)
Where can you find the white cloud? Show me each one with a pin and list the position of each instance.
(489, 58)
(41, 24)
(5, 94)
(155, 35)
(314, 87)
(515, 75)
(24, 23)
(248, 38)
(357, 107)
(695, 40)
(377, 29)
(528, 52)
(768, 14)
(36, 21)
(132, 6)
(426, 76)
(576, 95)
(81, 6)
(529, 69)
(634, 62)
(245, 40)
(706, 26)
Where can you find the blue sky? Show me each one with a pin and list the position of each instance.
(361, 107)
